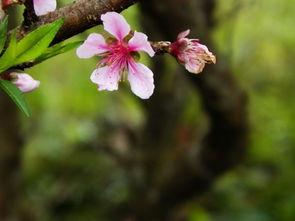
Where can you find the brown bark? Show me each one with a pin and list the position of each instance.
(78, 16)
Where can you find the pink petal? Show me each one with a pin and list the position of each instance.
(24, 82)
(115, 24)
(106, 79)
(141, 80)
(139, 42)
(205, 54)
(183, 34)
(194, 66)
(94, 44)
(42, 7)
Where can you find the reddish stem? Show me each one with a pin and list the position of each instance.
(7, 3)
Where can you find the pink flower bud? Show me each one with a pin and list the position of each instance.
(24, 82)
(190, 53)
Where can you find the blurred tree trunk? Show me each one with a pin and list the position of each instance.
(10, 151)
(173, 161)
(194, 156)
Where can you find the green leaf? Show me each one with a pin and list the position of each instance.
(3, 32)
(7, 59)
(16, 95)
(58, 49)
(35, 43)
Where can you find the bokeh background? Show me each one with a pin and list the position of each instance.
(89, 155)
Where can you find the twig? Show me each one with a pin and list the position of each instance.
(78, 16)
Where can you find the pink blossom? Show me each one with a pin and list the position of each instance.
(118, 57)
(191, 53)
(24, 82)
(42, 7)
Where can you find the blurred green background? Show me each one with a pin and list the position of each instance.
(69, 175)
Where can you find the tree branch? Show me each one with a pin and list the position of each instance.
(78, 16)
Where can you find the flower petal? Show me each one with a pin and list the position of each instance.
(42, 7)
(106, 78)
(94, 44)
(183, 34)
(139, 42)
(141, 80)
(115, 24)
(204, 53)
(194, 66)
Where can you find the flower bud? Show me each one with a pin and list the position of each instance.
(24, 82)
(190, 53)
